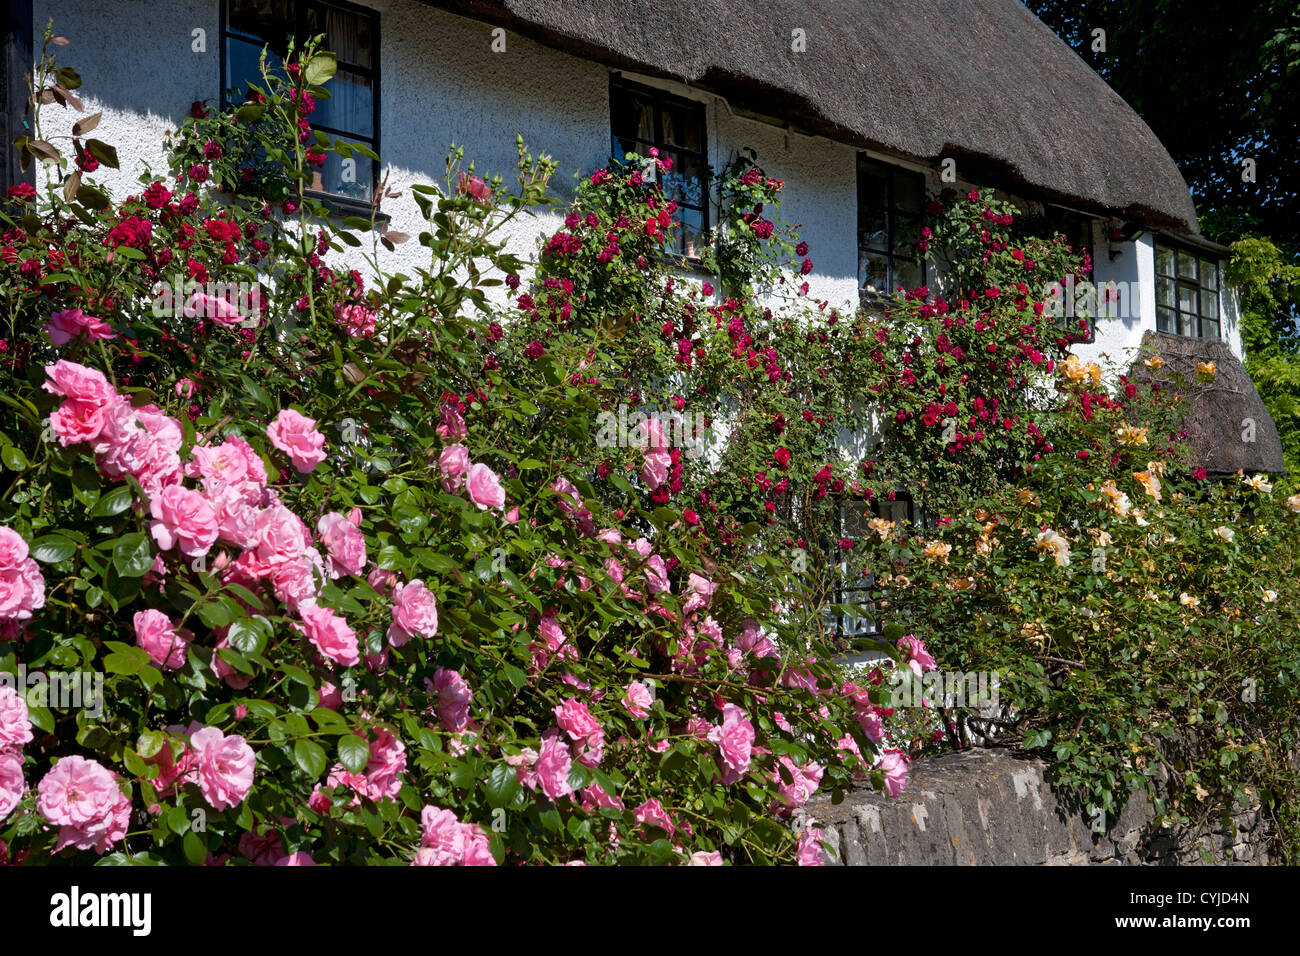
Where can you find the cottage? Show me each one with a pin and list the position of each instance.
(864, 108)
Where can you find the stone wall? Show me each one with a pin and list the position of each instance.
(987, 807)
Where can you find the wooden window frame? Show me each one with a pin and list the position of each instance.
(346, 205)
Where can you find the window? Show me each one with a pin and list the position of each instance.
(641, 118)
(853, 587)
(890, 201)
(351, 112)
(1187, 293)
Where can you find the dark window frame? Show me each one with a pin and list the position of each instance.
(341, 203)
(16, 58)
(844, 592)
(659, 98)
(893, 213)
(1195, 283)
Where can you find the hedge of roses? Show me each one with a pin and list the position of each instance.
(380, 570)
(353, 595)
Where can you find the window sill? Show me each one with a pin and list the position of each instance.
(343, 206)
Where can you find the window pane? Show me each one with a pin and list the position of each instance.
(1164, 261)
(1187, 325)
(871, 208)
(909, 192)
(1165, 320)
(906, 274)
(692, 231)
(683, 127)
(1209, 274)
(350, 107)
(685, 181)
(1210, 329)
(1164, 291)
(906, 231)
(873, 271)
(1210, 305)
(353, 177)
(633, 116)
(1186, 265)
(347, 34)
(242, 60)
(1186, 298)
(270, 21)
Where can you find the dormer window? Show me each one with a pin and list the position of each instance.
(1187, 293)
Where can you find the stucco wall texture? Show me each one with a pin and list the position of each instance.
(441, 83)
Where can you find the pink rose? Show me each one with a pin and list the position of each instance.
(735, 740)
(183, 519)
(299, 858)
(452, 425)
(233, 462)
(583, 729)
(637, 700)
(655, 468)
(15, 723)
(22, 587)
(220, 311)
(89, 397)
(809, 851)
(344, 543)
(386, 765)
(485, 488)
(894, 765)
(295, 434)
(453, 696)
(803, 783)
(357, 319)
(705, 858)
(155, 632)
(415, 613)
(701, 592)
(280, 537)
(440, 833)
(454, 465)
(329, 633)
(67, 324)
(652, 812)
(553, 765)
(478, 851)
(915, 655)
(225, 767)
(12, 783)
(84, 800)
(236, 518)
(299, 580)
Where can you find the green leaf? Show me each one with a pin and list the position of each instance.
(13, 458)
(354, 753)
(132, 556)
(250, 634)
(310, 758)
(195, 849)
(320, 68)
(115, 502)
(501, 786)
(53, 548)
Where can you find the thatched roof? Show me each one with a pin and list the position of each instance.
(982, 81)
(1217, 412)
